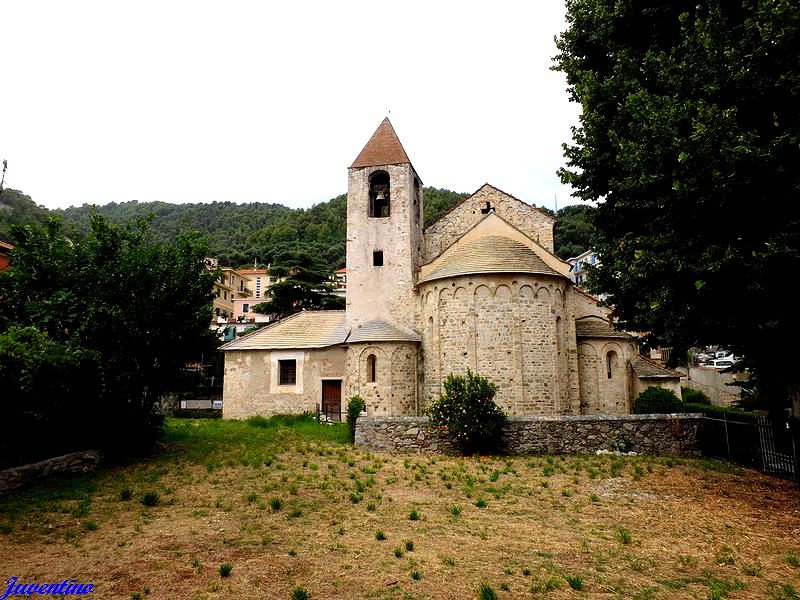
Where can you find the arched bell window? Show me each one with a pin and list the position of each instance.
(379, 193)
(371, 368)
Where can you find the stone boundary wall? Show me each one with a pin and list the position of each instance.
(76, 462)
(713, 384)
(568, 434)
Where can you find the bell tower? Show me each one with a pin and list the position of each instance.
(384, 233)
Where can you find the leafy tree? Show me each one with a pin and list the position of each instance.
(304, 285)
(573, 231)
(690, 141)
(131, 312)
(437, 201)
(236, 234)
(18, 209)
(468, 413)
(42, 381)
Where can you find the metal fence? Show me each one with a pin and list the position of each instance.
(329, 414)
(765, 442)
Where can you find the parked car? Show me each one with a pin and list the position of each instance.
(720, 363)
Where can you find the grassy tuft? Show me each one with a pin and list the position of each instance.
(151, 498)
(486, 591)
(299, 593)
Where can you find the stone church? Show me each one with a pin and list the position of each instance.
(481, 289)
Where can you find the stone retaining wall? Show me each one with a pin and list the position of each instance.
(568, 434)
(714, 384)
(77, 462)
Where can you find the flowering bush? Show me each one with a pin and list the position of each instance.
(469, 414)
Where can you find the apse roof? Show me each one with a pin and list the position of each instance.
(490, 254)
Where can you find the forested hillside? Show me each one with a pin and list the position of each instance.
(18, 209)
(243, 234)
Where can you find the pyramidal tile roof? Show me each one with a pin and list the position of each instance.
(383, 148)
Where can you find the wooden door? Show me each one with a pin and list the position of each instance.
(332, 400)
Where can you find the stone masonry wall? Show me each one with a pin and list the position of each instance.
(383, 292)
(532, 222)
(394, 391)
(251, 386)
(713, 384)
(601, 394)
(565, 434)
(510, 329)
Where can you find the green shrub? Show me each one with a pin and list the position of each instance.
(712, 410)
(656, 400)
(355, 405)
(225, 569)
(693, 396)
(151, 498)
(468, 413)
(299, 593)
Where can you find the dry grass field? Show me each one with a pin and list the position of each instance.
(287, 509)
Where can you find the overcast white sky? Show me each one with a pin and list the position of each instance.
(272, 101)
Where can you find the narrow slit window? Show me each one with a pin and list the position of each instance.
(377, 258)
(611, 359)
(371, 368)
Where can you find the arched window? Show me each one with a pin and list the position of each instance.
(379, 194)
(611, 363)
(371, 368)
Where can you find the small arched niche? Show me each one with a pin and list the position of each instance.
(379, 194)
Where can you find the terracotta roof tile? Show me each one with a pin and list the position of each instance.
(383, 148)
